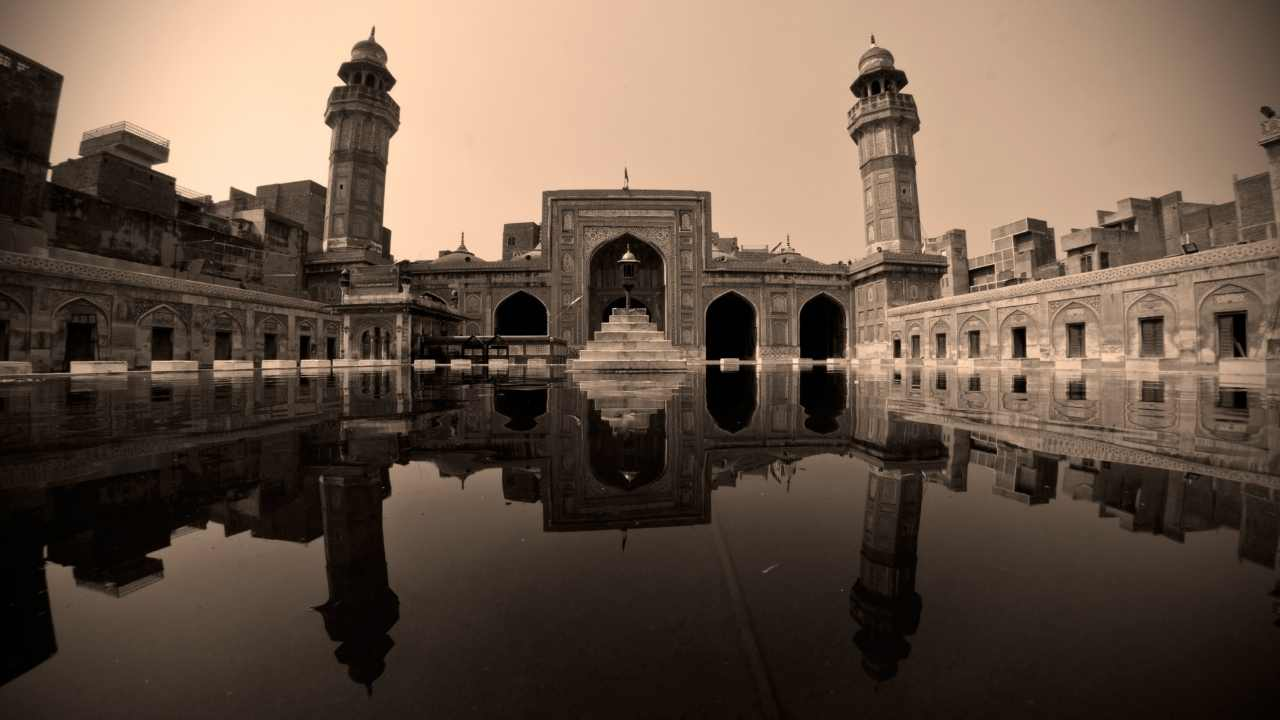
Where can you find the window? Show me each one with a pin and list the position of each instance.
(1020, 384)
(1233, 399)
(897, 347)
(975, 383)
(975, 343)
(1151, 331)
(1075, 340)
(511, 242)
(1104, 261)
(1086, 263)
(1077, 390)
(940, 383)
(1152, 391)
(915, 346)
(940, 345)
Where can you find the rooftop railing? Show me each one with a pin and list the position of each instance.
(128, 127)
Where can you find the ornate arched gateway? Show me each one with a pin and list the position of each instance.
(606, 279)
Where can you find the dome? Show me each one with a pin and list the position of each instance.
(875, 58)
(369, 51)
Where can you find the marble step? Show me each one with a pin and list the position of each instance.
(627, 365)
(636, 336)
(636, 328)
(658, 354)
(624, 345)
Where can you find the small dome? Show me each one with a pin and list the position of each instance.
(875, 58)
(369, 51)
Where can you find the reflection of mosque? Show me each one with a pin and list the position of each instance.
(613, 454)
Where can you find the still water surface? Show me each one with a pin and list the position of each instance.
(794, 544)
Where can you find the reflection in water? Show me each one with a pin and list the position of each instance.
(361, 608)
(100, 478)
(731, 397)
(884, 601)
(822, 395)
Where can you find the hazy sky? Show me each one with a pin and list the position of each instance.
(1051, 110)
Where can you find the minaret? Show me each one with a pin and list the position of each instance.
(882, 122)
(363, 118)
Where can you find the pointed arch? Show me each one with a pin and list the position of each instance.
(521, 314)
(731, 325)
(822, 327)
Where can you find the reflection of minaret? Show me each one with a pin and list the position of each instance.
(362, 607)
(958, 460)
(884, 601)
(26, 622)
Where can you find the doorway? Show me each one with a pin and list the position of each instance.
(269, 349)
(304, 347)
(821, 328)
(82, 338)
(1019, 337)
(222, 345)
(915, 347)
(940, 345)
(331, 347)
(161, 343)
(1233, 340)
(1075, 340)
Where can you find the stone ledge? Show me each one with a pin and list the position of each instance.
(459, 364)
(98, 367)
(425, 365)
(13, 367)
(279, 364)
(315, 364)
(163, 366)
(230, 365)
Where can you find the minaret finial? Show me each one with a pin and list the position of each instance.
(873, 39)
(626, 178)
(374, 28)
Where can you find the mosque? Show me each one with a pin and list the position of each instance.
(107, 263)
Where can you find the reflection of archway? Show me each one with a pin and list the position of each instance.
(822, 395)
(627, 450)
(605, 280)
(522, 405)
(731, 397)
(822, 328)
(520, 314)
(731, 328)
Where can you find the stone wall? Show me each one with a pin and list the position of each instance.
(40, 294)
(1187, 291)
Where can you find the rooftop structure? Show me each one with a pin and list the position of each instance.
(126, 140)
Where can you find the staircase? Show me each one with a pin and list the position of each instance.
(628, 342)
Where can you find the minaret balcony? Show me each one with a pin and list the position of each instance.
(877, 104)
(358, 94)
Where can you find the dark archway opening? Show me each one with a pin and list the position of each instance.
(731, 397)
(520, 314)
(821, 329)
(604, 285)
(731, 328)
(822, 395)
(522, 406)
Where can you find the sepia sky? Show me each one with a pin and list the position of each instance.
(1046, 109)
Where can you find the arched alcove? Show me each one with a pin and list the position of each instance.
(731, 328)
(822, 328)
(520, 313)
